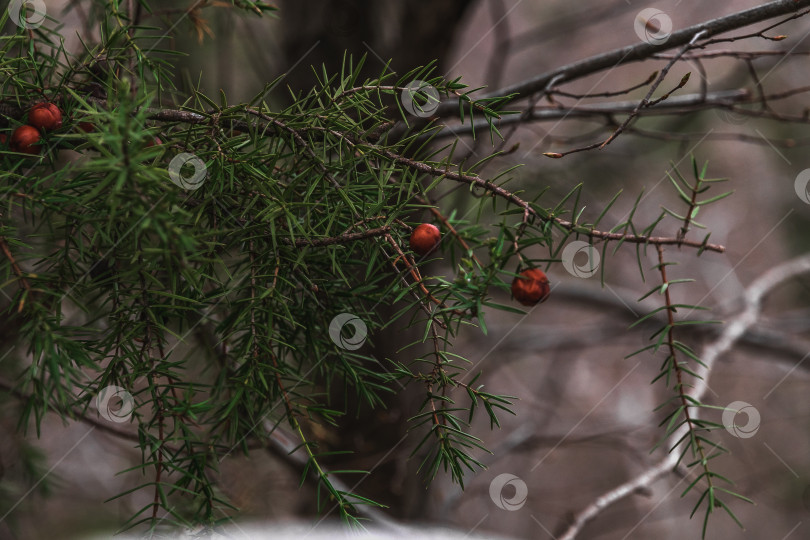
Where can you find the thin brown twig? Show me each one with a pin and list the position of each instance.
(414, 271)
(687, 219)
(742, 55)
(499, 191)
(678, 369)
(613, 93)
(299, 139)
(443, 219)
(676, 105)
(763, 102)
(255, 334)
(761, 33)
(646, 102)
(437, 374)
(17, 270)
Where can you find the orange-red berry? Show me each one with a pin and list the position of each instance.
(530, 287)
(154, 141)
(45, 116)
(87, 127)
(424, 238)
(25, 139)
(3, 138)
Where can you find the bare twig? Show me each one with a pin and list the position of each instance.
(611, 93)
(646, 101)
(14, 266)
(733, 331)
(674, 105)
(637, 52)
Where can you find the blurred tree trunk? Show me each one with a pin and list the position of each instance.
(409, 31)
(412, 33)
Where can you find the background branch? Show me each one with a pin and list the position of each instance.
(635, 53)
(732, 332)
